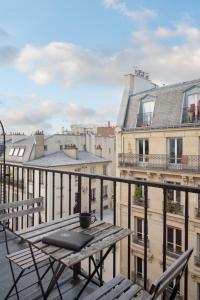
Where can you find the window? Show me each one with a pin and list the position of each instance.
(146, 113)
(45, 147)
(174, 240)
(30, 175)
(143, 149)
(175, 150)
(109, 150)
(104, 170)
(16, 151)
(139, 267)
(61, 147)
(21, 152)
(92, 170)
(198, 290)
(11, 151)
(41, 177)
(105, 191)
(198, 244)
(139, 230)
(93, 194)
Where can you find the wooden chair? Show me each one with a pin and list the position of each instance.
(122, 289)
(23, 258)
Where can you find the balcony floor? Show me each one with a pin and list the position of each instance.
(68, 286)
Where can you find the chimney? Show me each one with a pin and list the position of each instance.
(98, 150)
(39, 143)
(17, 136)
(71, 151)
(138, 82)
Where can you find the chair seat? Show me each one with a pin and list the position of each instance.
(24, 260)
(119, 288)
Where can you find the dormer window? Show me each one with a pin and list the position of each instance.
(191, 108)
(145, 115)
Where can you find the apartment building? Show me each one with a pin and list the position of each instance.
(158, 139)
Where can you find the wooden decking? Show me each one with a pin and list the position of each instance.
(69, 287)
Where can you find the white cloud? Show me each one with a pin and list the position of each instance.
(121, 6)
(81, 114)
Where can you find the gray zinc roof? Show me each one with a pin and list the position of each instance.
(60, 159)
(168, 105)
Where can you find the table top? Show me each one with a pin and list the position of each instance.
(105, 234)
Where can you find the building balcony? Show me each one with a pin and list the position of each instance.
(191, 114)
(189, 163)
(175, 208)
(138, 239)
(174, 251)
(62, 197)
(144, 119)
(197, 212)
(197, 260)
(139, 201)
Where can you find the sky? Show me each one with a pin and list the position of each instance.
(63, 61)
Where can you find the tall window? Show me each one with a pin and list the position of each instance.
(139, 267)
(93, 194)
(174, 240)
(105, 191)
(146, 113)
(175, 146)
(139, 229)
(198, 244)
(143, 149)
(104, 170)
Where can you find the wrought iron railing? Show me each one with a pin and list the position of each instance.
(175, 208)
(160, 161)
(197, 212)
(197, 260)
(62, 196)
(139, 239)
(139, 201)
(191, 114)
(174, 250)
(144, 119)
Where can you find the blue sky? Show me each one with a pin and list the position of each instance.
(63, 61)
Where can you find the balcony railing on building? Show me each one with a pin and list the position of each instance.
(197, 212)
(175, 208)
(191, 114)
(139, 239)
(62, 197)
(144, 119)
(190, 163)
(174, 250)
(139, 201)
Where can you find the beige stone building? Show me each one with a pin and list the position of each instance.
(158, 139)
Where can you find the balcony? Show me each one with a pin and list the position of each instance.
(175, 208)
(197, 260)
(174, 251)
(62, 197)
(197, 212)
(144, 119)
(191, 114)
(139, 239)
(189, 163)
(139, 201)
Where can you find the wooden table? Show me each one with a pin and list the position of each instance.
(106, 235)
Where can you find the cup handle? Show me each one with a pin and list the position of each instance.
(92, 221)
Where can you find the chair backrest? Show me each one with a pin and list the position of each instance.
(7, 210)
(160, 284)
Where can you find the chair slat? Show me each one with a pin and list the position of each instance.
(20, 213)
(21, 203)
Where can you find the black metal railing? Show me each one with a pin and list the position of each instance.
(144, 119)
(63, 196)
(191, 114)
(197, 212)
(197, 260)
(174, 250)
(175, 208)
(160, 161)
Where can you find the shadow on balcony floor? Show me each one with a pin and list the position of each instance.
(69, 287)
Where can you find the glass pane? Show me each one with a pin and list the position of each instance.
(170, 238)
(146, 146)
(178, 237)
(172, 150)
(139, 266)
(179, 150)
(139, 226)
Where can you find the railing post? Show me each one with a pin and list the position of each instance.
(164, 231)
(145, 234)
(186, 245)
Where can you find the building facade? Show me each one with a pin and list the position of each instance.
(158, 139)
